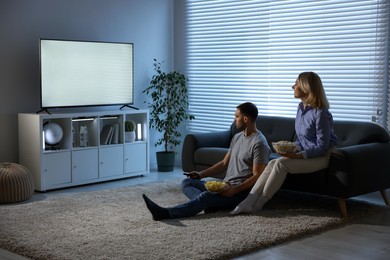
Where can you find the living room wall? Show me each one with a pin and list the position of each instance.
(149, 24)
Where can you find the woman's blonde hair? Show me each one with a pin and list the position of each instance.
(311, 85)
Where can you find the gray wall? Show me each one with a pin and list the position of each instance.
(149, 24)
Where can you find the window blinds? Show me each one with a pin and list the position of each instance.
(253, 50)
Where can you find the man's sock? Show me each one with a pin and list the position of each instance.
(158, 213)
(258, 206)
(246, 206)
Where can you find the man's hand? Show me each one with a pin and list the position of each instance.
(193, 175)
(228, 191)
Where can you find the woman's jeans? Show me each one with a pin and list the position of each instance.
(201, 199)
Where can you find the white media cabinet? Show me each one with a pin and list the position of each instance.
(67, 164)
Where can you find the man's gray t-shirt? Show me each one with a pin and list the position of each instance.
(245, 151)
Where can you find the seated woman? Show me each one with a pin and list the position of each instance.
(315, 141)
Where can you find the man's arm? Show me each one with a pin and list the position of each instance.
(258, 169)
(214, 170)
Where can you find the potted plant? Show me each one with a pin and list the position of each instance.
(168, 108)
(129, 131)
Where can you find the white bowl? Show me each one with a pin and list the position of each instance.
(284, 147)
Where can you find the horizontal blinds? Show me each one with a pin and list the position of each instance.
(253, 50)
(388, 86)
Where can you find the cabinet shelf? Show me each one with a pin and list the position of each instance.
(84, 148)
(56, 151)
(83, 155)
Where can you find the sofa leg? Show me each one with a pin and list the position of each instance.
(384, 196)
(343, 207)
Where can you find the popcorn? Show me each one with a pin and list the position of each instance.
(284, 147)
(215, 186)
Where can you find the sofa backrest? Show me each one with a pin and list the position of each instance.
(353, 132)
(274, 128)
(277, 128)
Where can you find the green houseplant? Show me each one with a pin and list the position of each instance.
(129, 131)
(168, 108)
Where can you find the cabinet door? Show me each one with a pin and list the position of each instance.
(135, 157)
(85, 165)
(56, 169)
(110, 161)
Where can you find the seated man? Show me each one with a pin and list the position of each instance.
(246, 159)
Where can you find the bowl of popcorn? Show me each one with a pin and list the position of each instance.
(216, 186)
(284, 147)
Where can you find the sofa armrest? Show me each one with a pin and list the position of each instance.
(359, 169)
(192, 142)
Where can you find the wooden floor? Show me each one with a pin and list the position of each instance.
(368, 239)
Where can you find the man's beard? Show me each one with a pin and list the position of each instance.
(242, 127)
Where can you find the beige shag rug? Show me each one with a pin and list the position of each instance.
(115, 224)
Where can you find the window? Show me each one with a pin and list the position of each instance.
(253, 50)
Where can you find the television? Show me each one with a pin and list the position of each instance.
(86, 73)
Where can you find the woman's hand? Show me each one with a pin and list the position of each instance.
(292, 155)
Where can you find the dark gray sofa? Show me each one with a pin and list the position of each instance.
(360, 165)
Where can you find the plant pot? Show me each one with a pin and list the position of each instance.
(165, 161)
(129, 136)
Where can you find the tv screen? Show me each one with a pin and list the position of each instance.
(83, 73)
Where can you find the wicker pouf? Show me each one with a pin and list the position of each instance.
(16, 183)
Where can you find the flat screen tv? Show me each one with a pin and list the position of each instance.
(86, 73)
